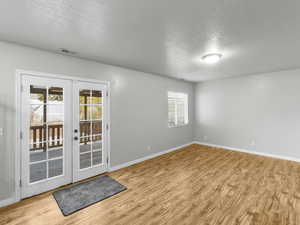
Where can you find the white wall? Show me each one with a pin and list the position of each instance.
(259, 113)
(138, 106)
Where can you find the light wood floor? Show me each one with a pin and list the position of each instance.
(195, 185)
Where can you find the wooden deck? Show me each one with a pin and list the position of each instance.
(196, 185)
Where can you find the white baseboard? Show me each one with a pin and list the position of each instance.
(123, 165)
(249, 151)
(7, 201)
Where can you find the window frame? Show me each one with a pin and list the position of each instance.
(184, 96)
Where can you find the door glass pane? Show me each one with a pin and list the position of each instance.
(38, 171)
(85, 160)
(38, 155)
(97, 158)
(55, 95)
(85, 112)
(55, 168)
(85, 145)
(55, 153)
(85, 128)
(85, 97)
(37, 134)
(96, 111)
(55, 135)
(37, 117)
(37, 94)
(96, 97)
(97, 127)
(55, 114)
(97, 145)
(38, 146)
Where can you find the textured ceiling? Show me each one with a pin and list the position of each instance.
(165, 37)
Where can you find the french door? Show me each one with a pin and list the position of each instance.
(89, 158)
(63, 132)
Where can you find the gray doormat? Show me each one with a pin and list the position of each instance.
(82, 195)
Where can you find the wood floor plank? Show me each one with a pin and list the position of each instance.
(196, 185)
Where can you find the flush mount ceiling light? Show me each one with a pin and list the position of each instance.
(212, 58)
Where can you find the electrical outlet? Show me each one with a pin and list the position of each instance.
(148, 147)
(1, 131)
(253, 143)
(205, 138)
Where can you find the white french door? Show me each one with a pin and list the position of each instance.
(63, 132)
(90, 157)
(46, 128)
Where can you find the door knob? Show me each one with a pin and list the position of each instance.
(75, 131)
(75, 138)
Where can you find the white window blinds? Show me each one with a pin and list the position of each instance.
(177, 109)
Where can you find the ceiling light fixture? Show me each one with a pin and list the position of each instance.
(212, 58)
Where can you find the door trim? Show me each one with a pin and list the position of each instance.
(18, 92)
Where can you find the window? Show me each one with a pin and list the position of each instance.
(177, 109)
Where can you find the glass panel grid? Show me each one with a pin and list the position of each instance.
(90, 115)
(46, 133)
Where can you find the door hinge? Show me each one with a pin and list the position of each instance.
(21, 135)
(22, 88)
(20, 183)
(107, 127)
(107, 160)
(107, 94)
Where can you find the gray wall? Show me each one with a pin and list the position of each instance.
(258, 113)
(138, 106)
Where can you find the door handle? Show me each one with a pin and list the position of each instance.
(76, 138)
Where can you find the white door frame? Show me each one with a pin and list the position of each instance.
(19, 74)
